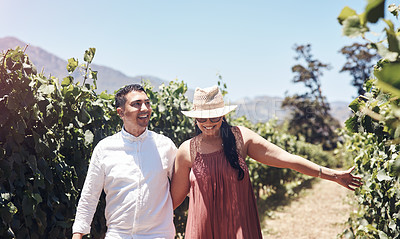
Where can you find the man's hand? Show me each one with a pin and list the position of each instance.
(77, 236)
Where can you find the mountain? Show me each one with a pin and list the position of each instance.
(261, 108)
(340, 110)
(108, 78)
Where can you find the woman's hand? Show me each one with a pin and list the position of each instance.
(347, 180)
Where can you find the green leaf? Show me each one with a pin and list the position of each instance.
(161, 108)
(45, 170)
(37, 198)
(63, 224)
(21, 126)
(89, 136)
(369, 84)
(382, 235)
(385, 53)
(389, 77)
(355, 105)
(375, 10)
(344, 14)
(72, 65)
(89, 55)
(39, 147)
(13, 102)
(105, 96)
(394, 44)
(31, 160)
(46, 89)
(395, 167)
(67, 81)
(389, 23)
(396, 133)
(93, 75)
(352, 27)
(12, 209)
(393, 9)
(27, 205)
(352, 124)
(84, 116)
(381, 176)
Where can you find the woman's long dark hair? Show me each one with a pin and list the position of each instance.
(229, 145)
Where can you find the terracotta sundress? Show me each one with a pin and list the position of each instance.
(220, 206)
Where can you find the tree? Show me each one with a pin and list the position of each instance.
(311, 117)
(360, 61)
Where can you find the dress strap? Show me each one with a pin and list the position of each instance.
(193, 148)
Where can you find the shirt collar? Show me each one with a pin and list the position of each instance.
(132, 138)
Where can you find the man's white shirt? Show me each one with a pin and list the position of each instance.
(134, 172)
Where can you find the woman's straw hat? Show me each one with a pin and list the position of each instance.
(208, 103)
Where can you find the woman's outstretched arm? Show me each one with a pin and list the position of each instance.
(267, 153)
(180, 184)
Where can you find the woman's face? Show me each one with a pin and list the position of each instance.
(209, 126)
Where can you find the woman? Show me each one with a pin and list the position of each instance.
(211, 168)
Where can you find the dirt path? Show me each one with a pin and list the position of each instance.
(320, 212)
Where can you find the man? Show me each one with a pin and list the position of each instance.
(132, 167)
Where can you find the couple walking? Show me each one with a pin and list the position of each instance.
(145, 177)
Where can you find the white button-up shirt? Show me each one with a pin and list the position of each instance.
(134, 172)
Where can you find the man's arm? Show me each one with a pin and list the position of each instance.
(90, 195)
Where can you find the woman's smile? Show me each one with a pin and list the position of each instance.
(209, 127)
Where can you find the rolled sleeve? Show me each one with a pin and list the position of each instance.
(90, 194)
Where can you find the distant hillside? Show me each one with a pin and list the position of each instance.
(263, 108)
(256, 109)
(340, 110)
(108, 78)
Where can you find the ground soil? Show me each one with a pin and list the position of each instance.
(319, 212)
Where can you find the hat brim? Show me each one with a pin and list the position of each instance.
(210, 113)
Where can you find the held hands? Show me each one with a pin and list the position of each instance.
(347, 180)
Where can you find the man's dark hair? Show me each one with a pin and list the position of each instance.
(120, 98)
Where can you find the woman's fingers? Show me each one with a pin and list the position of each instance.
(355, 184)
(351, 169)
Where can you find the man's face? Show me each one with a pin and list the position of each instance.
(136, 112)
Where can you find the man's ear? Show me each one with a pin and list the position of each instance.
(120, 112)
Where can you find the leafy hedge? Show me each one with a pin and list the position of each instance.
(377, 158)
(374, 130)
(48, 130)
(47, 133)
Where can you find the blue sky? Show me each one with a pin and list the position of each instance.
(249, 43)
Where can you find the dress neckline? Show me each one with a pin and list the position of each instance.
(212, 153)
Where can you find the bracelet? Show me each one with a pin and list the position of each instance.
(320, 171)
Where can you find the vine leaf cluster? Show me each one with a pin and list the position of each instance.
(374, 130)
